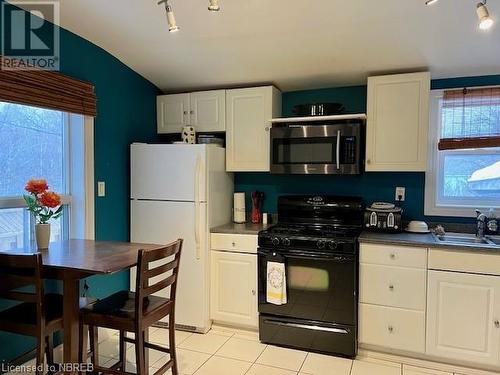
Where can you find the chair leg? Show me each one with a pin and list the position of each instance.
(139, 352)
(171, 345)
(94, 345)
(40, 353)
(82, 344)
(123, 351)
(49, 349)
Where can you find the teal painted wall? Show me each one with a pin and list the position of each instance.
(371, 186)
(126, 106)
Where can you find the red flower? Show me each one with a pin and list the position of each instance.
(36, 186)
(50, 199)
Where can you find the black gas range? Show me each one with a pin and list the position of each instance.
(316, 239)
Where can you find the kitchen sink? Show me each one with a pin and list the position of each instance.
(467, 239)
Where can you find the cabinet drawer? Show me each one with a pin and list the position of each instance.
(241, 243)
(392, 255)
(393, 286)
(392, 328)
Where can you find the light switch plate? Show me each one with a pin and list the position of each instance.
(400, 194)
(101, 189)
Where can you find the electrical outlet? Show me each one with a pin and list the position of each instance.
(101, 189)
(400, 194)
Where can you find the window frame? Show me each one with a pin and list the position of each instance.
(435, 161)
(78, 195)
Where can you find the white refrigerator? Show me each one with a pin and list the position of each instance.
(181, 191)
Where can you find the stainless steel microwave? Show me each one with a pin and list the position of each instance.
(317, 148)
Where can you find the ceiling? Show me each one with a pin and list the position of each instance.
(294, 44)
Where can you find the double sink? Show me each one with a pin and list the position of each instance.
(465, 239)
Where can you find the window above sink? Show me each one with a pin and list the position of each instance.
(460, 180)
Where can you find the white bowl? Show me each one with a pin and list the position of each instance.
(418, 226)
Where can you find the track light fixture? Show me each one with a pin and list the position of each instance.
(485, 20)
(172, 24)
(213, 5)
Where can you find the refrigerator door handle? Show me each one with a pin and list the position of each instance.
(197, 206)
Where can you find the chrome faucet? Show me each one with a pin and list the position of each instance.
(481, 224)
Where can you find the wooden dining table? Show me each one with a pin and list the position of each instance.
(73, 260)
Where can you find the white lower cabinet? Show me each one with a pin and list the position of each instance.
(234, 288)
(392, 328)
(463, 321)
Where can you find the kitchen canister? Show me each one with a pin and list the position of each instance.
(239, 208)
(189, 135)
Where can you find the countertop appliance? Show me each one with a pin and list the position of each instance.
(383, 217)
(180, 191)
(317, 239)
(317, 145)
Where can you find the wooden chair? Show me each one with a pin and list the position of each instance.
(35, 313)
(136, 312)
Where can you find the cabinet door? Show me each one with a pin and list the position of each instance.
(208, 110)
(247, 136)
(398, 121)
(462, 317)
(234, 288)
(172, 112)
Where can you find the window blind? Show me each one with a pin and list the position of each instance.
(470, 118)
(47, 89)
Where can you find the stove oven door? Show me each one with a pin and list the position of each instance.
(320, 287)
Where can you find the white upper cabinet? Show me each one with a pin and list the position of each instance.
(208, 111)
(172, 112)
(463, 317)
(247, 127)
(205, 110)
(398, 121)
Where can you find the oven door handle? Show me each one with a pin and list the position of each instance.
(337, 156)
(335, 258)
(307, 326)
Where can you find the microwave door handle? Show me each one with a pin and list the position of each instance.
(338, 149)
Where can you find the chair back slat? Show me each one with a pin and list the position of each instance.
(19, 296)
(165, 275)
(21, 271)
(160, 285)
(153, 272)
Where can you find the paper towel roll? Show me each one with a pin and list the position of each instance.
(239, 208)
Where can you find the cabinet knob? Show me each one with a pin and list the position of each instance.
(390, 329)
(192, 112)
(185, 112)
(233, 243)
(253, 292)
(392, 256)
(497, 323)
(267, 128)
(368, 161)
(391, 288)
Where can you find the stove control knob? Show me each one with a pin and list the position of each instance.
(286, 241)
(320, 244)
(332, 245)
(275, 241)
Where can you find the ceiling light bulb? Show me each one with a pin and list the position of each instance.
(172, 24)
(430, 2)
(485, 21)
(213, 5)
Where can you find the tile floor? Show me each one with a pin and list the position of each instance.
(232, 352)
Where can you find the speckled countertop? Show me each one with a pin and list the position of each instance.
(422, 240)
(246, 228)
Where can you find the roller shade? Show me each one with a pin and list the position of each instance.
(470, 118)
(47, 89)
